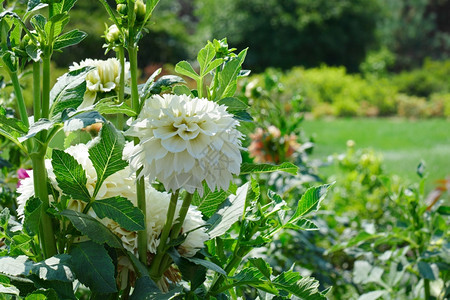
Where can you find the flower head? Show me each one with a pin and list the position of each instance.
(185, 141)
(104, 78)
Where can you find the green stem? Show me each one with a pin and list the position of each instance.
(37, 90)
(19, 96)
(46, 234)
(200, 87)
(160, 251)
(121, 56)
(181, 216)
(142, 234)
(426, 284)
(132, 52)
(46, 86)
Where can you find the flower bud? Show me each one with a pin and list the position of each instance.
(140, 10)
(112, 34)
(122, 9)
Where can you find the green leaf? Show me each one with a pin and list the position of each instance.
(12, 128)
(54, 268)
(425, 270)
(444, 210)
(4, 217)
(63, 6)
(94, 267)
(144, 88)
(33, 52)
(185, 68)
(207, 264)
(310, 201)
(110, 107)
(83, 120)
(213, 65)
(64, 290)
(210, 201)
(247, 168)
(181, 90)
(32, 216)
(163, 83)
(228, 76)
(262, 266)
(41, 125)
(146, 289)
(205, 56)
(70, 38)
(295, 284)
(106, 155)
(34, 5)
(68, 91)
(38, 22)
(91, 227)
(15, 266)
(233, 104)
(56, 24)
(49, 294)
(122, 211)
(231, 210)
(70, 175)
(194, 273)
(302, 224)
(253, 277)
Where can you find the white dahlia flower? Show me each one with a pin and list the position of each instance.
(157, 207)
(184, 141)
(104, 78)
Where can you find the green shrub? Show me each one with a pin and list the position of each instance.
(412, 106)
(433, 77)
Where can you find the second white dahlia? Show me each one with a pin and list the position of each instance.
(185, 141)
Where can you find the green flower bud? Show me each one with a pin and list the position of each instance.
(140, 10)
(122, 9)
(112, 34)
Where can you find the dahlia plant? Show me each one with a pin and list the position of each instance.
(156, 207)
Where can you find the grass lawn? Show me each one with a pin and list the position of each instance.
(403, 143)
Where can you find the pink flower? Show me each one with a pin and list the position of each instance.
(22, 174)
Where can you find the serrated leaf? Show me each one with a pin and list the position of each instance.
(32, 216)
(228, 76)
(4, 217)
(11, 129)
(106, 155)
(146, 289)
(252, 276)
(164, 82)
(210, 201)
(70, 38)
(54, 268)
(15, 266)
(94, 267)
(110, 107)
(122, 211)
(185, 68)
(262, 266)
(63, 6)
(38, 22)
(91, 227)
(83, 120)
(70, 175)
(68, 92)
(233, 104)
(64, 290)
(302, 224)
(310, 201)
(231, 210)
(247, 168)
(41, 125)
(204, 57)
(56, 25)
(295, 284)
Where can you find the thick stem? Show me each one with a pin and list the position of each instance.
(46, 86)
(426, 285)
(37, 90)
(19, 97)
(160, 251)
(46, 234)
(200, 87)
(132, 52)
(142, 234)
